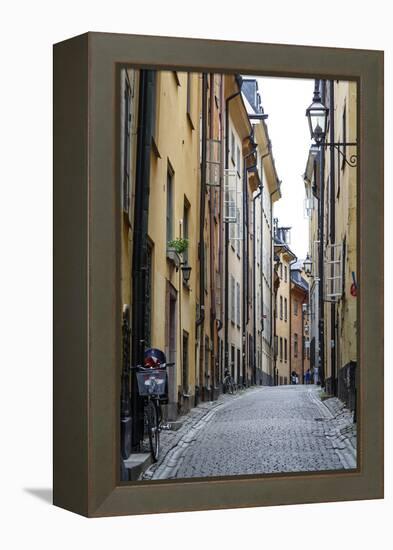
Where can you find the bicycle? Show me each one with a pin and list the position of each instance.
(152, 384)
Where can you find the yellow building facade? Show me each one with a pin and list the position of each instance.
(340, 220)
(331, 204)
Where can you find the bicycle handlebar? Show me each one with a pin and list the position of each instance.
(148, 369)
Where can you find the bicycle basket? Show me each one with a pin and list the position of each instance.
(151, 383)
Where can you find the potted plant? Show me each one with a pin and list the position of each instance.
(178, 245)
(175, 248)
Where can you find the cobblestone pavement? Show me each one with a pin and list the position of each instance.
(264, 430)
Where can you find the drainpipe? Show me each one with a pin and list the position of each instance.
(332, 237)
(290, 320)
(254, 282)
(245, 255)
(321, 256)
(147, 92)
(226, 232)
(262, 303)
(219, 321)
(201, 318)
(272, 313)
(212, 193)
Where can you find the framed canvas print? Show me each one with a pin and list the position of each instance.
(218, 274)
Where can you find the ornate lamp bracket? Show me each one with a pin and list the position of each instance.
(352, 160)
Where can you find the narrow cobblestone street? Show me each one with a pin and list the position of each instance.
(263, 430)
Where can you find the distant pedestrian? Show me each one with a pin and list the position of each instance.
(316, 376)
(307, 376)
(293, 377)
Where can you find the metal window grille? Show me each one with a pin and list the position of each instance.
(230, 196)
(333, 272)
(213, 162)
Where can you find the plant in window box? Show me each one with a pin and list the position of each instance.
(175, 248)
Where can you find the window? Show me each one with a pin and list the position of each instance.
(233, 147)
(232, 366)
(280, 307)
(295, 345)
(280, 270)
(286, 309)
(169, 204)
(239, 366)
(233, 306)
(126, 142)
(295, 307)
(285, 350)
(176, 76)
(238, 304)
(207, 348)
(238, 160)
(280, 348)
(344, 122)
(156, 83)
(185, 366)
(189, 99)
(285, 273)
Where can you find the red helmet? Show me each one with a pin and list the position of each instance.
(154, 357)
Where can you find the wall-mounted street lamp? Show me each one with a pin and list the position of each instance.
(186, 272)
(307, 265)
(317, 114)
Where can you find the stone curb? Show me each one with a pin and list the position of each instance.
(341, 443)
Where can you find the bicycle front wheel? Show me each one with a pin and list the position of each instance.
(153, 429)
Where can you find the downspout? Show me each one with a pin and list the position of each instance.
(219, 321)
(245, 254)
(272, 313)
(290, 319)
(254, 283)
(212, 193)
(262, 281)
(201, 318)
(332, 236)
(147, 93)
(226, 237)
(321, 254)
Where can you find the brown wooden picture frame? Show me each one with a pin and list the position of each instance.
(87, 307)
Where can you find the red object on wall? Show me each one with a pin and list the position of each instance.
(354, 290)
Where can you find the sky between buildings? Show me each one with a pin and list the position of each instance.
(285, 100)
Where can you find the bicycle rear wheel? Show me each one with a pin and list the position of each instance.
(153, 428)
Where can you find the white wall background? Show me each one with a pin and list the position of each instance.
(28, 30)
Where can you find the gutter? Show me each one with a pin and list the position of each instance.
(226, 229)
